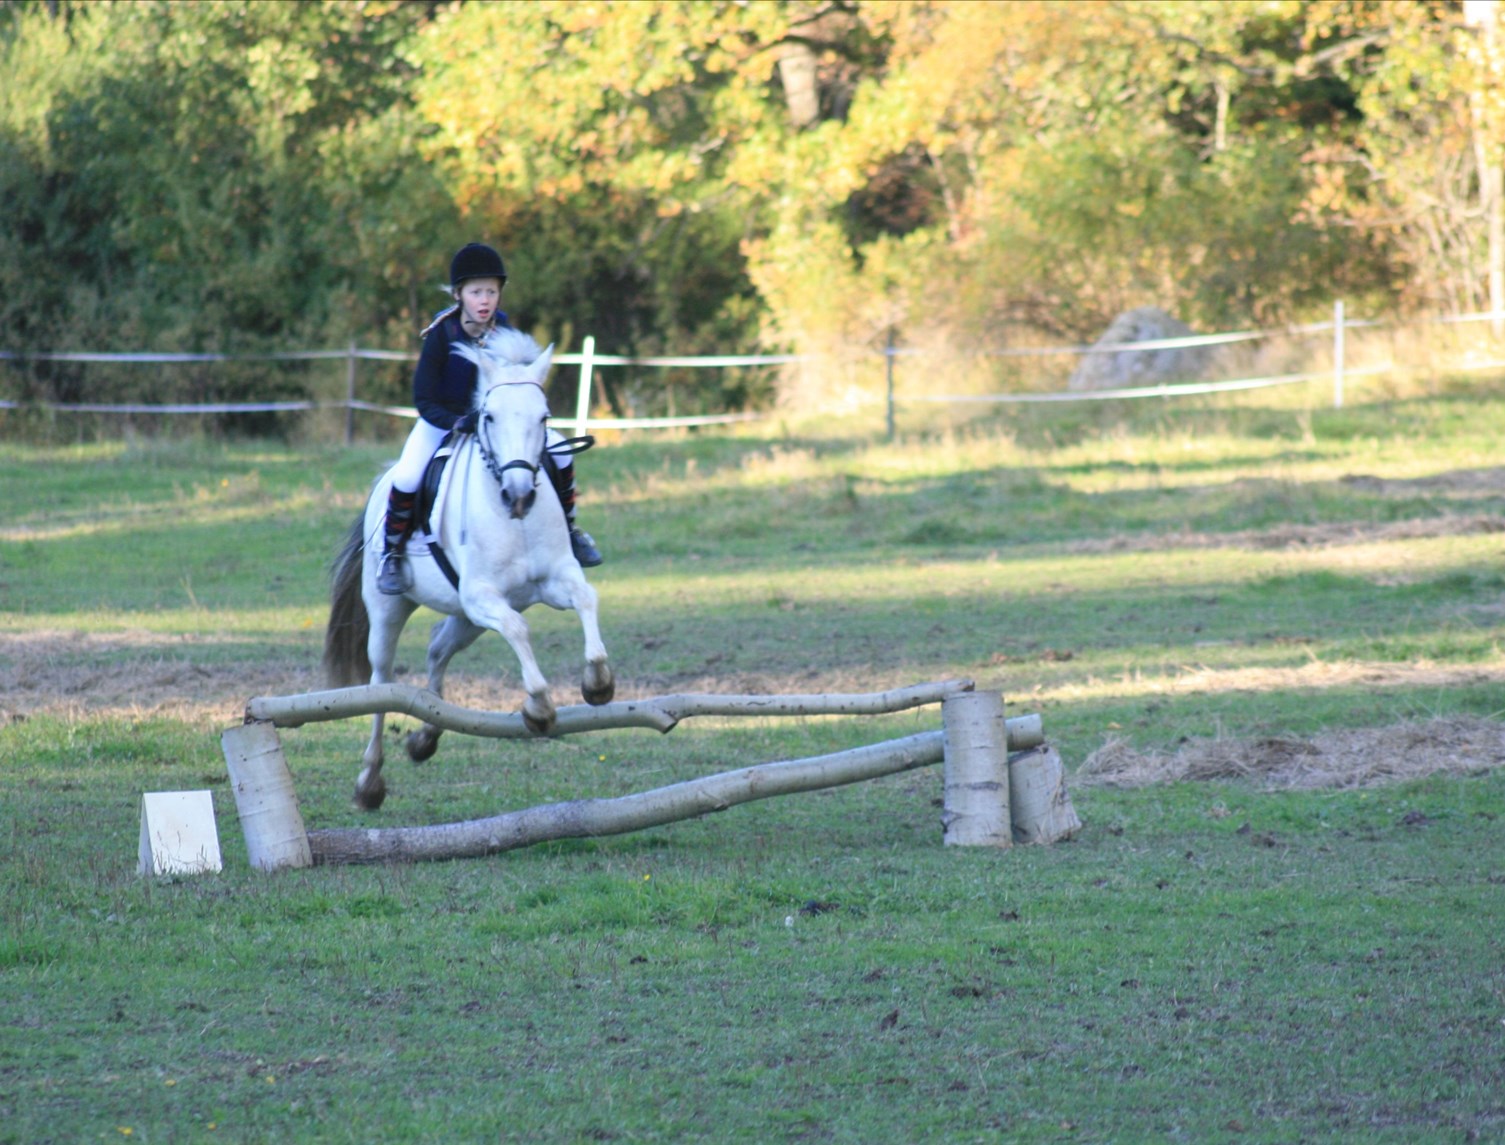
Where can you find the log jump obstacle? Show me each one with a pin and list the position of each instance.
(1003, 782)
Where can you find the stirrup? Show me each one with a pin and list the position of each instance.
(584, 548)
(395, 576)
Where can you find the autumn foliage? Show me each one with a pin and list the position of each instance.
(712, 176)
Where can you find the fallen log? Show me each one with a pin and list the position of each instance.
(582, 818)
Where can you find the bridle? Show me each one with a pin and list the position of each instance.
(494, 466)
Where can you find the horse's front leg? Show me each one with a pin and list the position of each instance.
(388, 615)
(486, 606)
(370, 787)
(452, 634)
(598, 685)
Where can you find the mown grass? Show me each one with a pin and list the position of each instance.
(1206, 962)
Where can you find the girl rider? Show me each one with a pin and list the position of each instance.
(444, 392)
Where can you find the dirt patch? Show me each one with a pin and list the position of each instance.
(1327, 535)
(1349, 758)
(1319, 674)
(1457, 483)
(1489, 479)
(133, 674)
(79, 675)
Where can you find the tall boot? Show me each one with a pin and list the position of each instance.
(395, 576)
(581, 544)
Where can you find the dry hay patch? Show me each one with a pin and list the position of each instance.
(1344, 758)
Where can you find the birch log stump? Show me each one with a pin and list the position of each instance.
(976, 771)
(1041, 804)
(265, 799)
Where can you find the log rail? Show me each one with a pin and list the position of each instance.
(264, 794)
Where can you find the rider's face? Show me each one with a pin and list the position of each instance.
(479, 297)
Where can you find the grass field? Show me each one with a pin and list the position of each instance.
(1223, 959)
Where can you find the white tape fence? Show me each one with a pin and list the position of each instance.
(588, 360)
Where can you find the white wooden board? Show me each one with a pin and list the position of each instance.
(178, 833)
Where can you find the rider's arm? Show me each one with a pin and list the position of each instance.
(429, 380)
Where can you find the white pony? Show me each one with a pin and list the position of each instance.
(502, 533)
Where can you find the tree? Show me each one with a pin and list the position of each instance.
(1062, 170)
(590, 142)
(710, 174)
(202, 177)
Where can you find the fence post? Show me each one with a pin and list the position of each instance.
(1338, 354)
(583, 395)
(350, 395)
(888, 355)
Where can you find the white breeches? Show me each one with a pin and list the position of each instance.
(421, 444)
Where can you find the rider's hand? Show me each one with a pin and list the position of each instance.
(468, 423)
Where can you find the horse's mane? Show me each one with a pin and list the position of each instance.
(507, 350)
(511, 347)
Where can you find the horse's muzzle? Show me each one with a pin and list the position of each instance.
(518, 507)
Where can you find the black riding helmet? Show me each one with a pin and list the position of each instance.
(475, 260)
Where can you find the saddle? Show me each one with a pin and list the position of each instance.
(428, 497)
(428, 488)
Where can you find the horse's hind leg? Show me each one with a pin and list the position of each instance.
(452, 634)
(387, 618)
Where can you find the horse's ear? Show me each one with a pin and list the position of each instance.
(542, 363)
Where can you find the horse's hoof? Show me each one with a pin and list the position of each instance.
(601, 694)
(539, 727)
(539, 717)
(423, 743)
(370, 795)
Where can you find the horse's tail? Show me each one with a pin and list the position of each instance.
(345, 659)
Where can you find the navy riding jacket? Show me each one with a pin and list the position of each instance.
(444, 384)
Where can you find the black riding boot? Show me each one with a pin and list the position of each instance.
(581, 543)
(395, 576)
